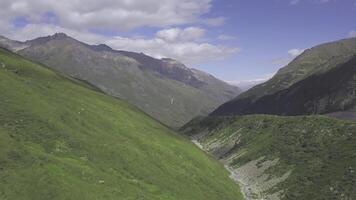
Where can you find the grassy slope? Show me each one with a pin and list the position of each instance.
(60, 140)
(327, 92)
(316, 60)
(320, 151)
(122, 77)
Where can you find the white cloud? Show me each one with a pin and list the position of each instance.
(226, 37)
(180, 44)
(218, 21)
(78, 18)
(249, 83)
(32, 31)
(352, 33)
(295, 52)
(189, 52)
(284, 60)
(113, 14)
(176, 34)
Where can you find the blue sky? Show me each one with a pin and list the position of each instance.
(267, 30)
(235, 40)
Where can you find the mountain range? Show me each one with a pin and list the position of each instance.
(273, 139)
(163, 88)
(76, 117)
(321, 80)
(61, 138)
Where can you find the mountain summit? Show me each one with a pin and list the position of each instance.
(164, 88)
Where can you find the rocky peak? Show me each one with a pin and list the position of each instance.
(102, 47)
(169, 62)
(41, 40)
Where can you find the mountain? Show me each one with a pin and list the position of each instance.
(61, 138)
(282, 158)
(12, 44)
(305, 86)
(331, 91)
(164, 88)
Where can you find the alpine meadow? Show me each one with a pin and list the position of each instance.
(177, 100)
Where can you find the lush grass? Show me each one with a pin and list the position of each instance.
(61, 140)
(319, 151)
(166, 99)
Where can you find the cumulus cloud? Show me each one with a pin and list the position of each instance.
(284, 60)
(114, 14)
(295, 52)
(218, 21)
(176, 34)
(181, 44)
(85, 19)
(249, 83)
(175, 43)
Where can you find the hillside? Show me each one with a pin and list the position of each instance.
(327, 92)
(62, 139)
(310, 72)
(163, 88)
(294, 158)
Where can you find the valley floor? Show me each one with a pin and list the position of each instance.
(282, 158)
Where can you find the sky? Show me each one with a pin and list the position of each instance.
(239, 41)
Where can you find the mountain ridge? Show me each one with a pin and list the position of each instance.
(311, 63)
(164, 88)
(60, 139)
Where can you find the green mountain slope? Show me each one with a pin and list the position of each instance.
(283, 157)
(163, 88)
(312, 63)
(331, 91)
(60, 139)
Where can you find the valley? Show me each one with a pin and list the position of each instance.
(274, 157)
(65, 139)
(165, 89)
(177, 100)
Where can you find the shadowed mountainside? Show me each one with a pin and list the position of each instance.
(331, 91)
(312, 83)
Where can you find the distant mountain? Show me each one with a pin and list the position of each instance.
(245, 85)
(164, 88)
(320, 80)
(60, 139)
(283, 158)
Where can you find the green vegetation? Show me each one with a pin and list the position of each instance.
(316, 60)
(60, 139)
(320, 152)
(291, 90)
(165, 89)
